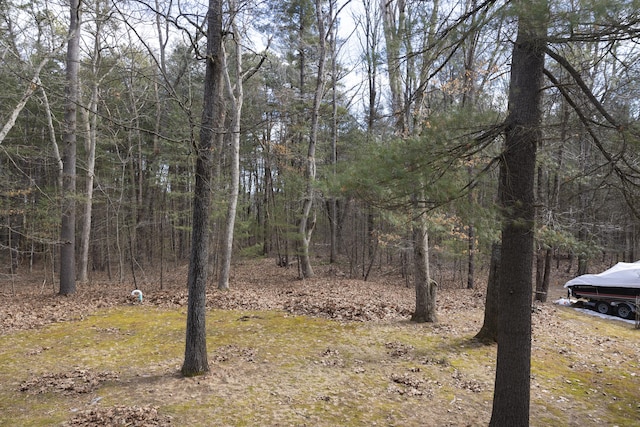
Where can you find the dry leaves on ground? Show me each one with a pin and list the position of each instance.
(78, 381)
(133, 416)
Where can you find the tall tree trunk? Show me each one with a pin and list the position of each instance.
(468, 99)
(408, 102)
(541, 293)
(232, 202)
(306, 223)
(215, 229)
(584, 200)
(539, 275)
(236, 94)
(517, 174)
(425, 287)
(332, 202)
(90, 120)
(68, 223)
(489, 332)
(195, 355)
(372, 54)
(471, 243)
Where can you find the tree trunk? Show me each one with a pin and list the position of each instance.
(195, 355)
(539, 256)
(468, 99)
(544, 291)
(541, 200)
(237, 97)
(584, 201)
(393, 24)
(232, 203)
(543, 272)
(306, 223)
(517, 174)
(52, 137)
(332, 202)
(68, 223)
(425, 287)
(471, 260)
(371, 27)
(489, 332)
(89, 117)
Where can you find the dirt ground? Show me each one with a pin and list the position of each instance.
(385, 303)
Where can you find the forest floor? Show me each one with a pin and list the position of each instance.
(284, 352)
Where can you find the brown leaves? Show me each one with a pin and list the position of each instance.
(84, 381)
(259, 285)
(408, 384)
(32, 309)
(339, 309)
(467, 383)
(234, 353)
(78, 381)
(398, 349)
(120, 416)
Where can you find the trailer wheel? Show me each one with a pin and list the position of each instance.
(625, 311)
(603, 307)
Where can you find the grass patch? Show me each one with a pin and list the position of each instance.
(272, 368)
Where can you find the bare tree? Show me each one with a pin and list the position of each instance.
(235, 91)
(306, 222)
(67, 230)
(89, 116)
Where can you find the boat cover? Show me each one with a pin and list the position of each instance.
(621, 275)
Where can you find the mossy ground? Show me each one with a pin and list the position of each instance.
(96, 352)
(272, 368)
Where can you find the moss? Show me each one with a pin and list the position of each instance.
(271, 368)
(593, 389)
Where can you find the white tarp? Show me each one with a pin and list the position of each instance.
(621, 275)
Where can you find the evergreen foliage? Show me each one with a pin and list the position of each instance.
(148, 118)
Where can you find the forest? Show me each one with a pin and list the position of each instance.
(430, 140)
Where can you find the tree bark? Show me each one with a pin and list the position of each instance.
(52, 137)
(517, 174)
(488, 334)
(68, 221)
(89, 118)
(468, 99)
(332, 202)
(236, 93)
(306, 223)
(195, 355)
(471, 249)
(393, 23)
(425, 287)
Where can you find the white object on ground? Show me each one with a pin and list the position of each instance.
(137, 293)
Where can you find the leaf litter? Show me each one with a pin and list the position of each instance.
(260, 286)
